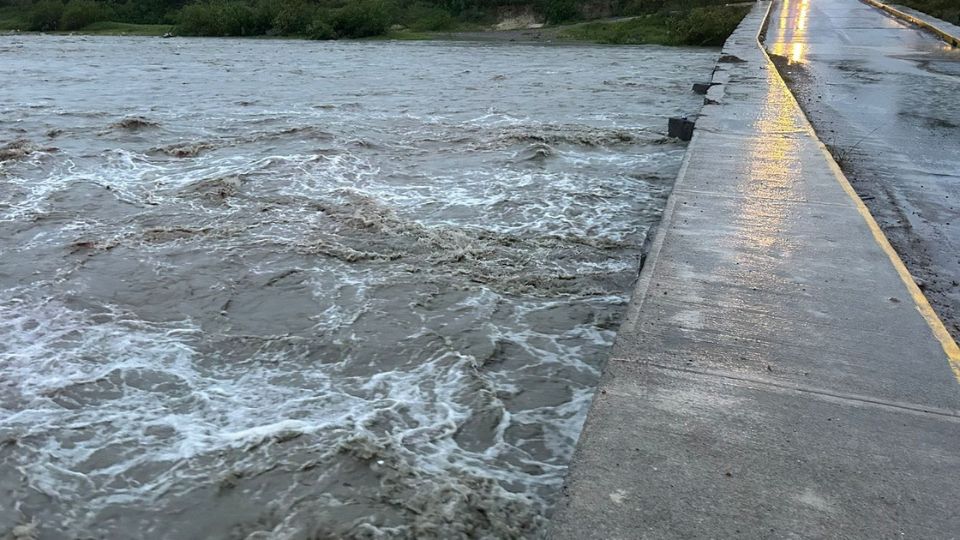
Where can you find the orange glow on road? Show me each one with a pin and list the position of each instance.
(775, 170)
(790, 38)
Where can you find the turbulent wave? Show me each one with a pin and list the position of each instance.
(579, 135)
(194, 148)
(183, 150)
(21, 148)
(134, 123)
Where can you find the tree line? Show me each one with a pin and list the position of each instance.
(318, 19)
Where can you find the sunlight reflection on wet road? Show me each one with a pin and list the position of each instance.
(882, 95)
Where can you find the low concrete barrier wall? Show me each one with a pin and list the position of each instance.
(946, 31)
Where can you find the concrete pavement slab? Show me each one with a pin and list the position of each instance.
(691, 455)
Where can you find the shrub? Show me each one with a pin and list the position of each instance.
(198, 20)
(264, 14)
(361, 19)
(238, 19)
(707, 25)
(293, 17)
(560, 11)
(217, 18)
(144, 11)
(320, 28)
(45, 15)
(78, 14)
(642, 7)
(424, 18)
(476, 15)
(649, 29)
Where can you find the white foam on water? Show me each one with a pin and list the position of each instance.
(73, 371)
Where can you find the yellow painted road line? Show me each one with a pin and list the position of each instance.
(942, 34)
(940, 331)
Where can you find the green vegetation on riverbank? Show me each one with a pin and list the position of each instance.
(679, 22)
(698, 26)
(947, 10)
(107, 28)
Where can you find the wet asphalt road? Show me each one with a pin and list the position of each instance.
(885, 97)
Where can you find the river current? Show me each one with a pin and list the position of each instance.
(285, 289)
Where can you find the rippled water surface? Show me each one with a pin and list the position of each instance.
(280, 289)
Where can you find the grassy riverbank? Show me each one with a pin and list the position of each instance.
(699, 26)
(108, 28)
(947, 10)
(669, 22)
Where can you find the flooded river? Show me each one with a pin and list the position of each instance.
(284, 289)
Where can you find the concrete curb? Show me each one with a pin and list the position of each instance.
(714, 96)
(939, 330)
(953, 40)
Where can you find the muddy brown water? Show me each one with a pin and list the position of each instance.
(281, 289)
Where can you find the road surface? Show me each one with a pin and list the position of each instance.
(885, 96)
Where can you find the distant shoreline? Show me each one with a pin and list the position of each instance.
(542, 36)
(707, 26)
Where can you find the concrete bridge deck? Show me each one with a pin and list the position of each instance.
(779, 373)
